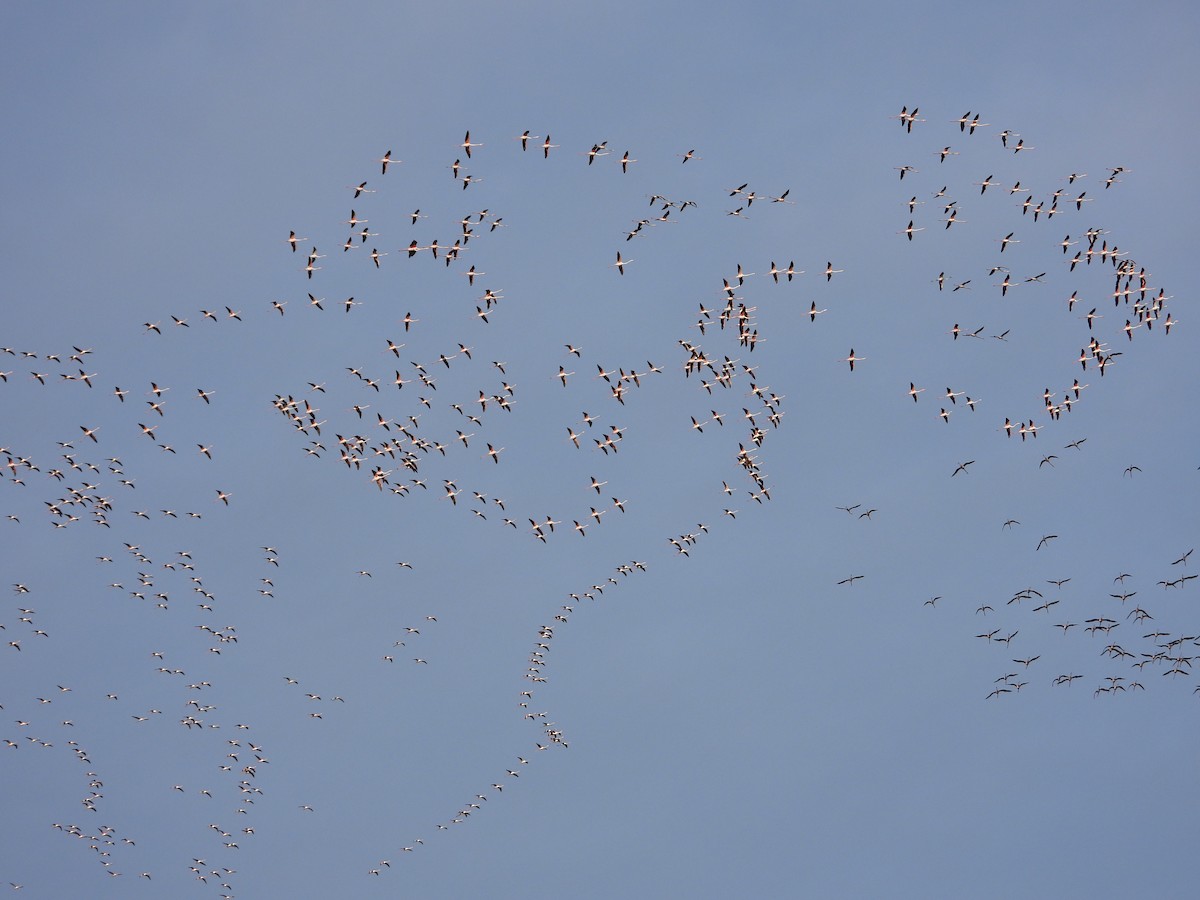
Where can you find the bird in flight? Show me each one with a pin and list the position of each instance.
(467, 145)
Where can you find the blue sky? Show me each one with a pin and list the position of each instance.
(731, 722)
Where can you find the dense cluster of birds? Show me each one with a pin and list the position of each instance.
(427, 422)
(1141, 305)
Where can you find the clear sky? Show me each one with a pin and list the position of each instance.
(214, 664)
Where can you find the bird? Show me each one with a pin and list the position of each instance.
(467, 145)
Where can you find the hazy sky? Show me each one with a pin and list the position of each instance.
(244, 644)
